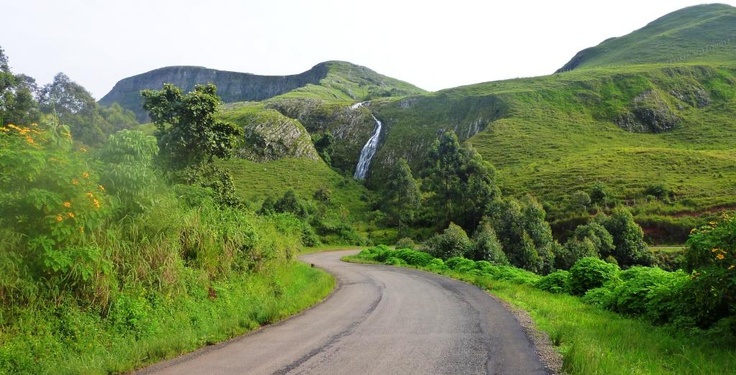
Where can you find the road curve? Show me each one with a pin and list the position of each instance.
(380, 320)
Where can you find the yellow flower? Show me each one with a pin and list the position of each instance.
(75, 181)
(68, 204)
(96, 203)
(732, 267)
(101, 187)
(59, 218)
(83, 149)
(81, 229)
(70, 214)
(720, 257)
(29, 139)
(85, 175)
(90, 195)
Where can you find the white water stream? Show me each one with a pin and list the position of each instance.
(368, 151)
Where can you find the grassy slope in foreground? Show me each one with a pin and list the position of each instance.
(92, 345)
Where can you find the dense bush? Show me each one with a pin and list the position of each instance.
(590, 273)
(454, 242)
(556, 282)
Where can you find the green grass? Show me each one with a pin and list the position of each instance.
(554, 135)
(594, 341)
(65, 339)
(255, 181)
(700, 33)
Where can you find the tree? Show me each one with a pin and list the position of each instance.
(487, 247)
(401, 196)
(463, 185)
(589, 240)
(190, 137)
(628, 238)
(17, 102)
(453, 242)
(188, 132)
(75, 107)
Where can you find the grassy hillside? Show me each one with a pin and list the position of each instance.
(633, 129)
(702, 33)
(255, 181)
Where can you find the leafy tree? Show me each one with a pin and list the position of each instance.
(463, 185)
(453, 242)
(591, 273)
(190, 137)
(580, 201)
(188, 132)
(487, 247)
(75, 107)
(628, 238)
(599, 194)
(524, 234)
(17, 102)
(289, 203)
(401, 196)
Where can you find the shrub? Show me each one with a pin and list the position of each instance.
(632, 295)
(590, 273)
(556, 282)
(406, 243)
(487, 247)
(413, 257)
(460, 264)
(454, 242)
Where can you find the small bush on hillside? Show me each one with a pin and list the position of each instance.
(406, 243)
(460, 264)
(632, 295)
(600, 297)
(413, 257)
(454, 242)
(591, 273)
(556, 282)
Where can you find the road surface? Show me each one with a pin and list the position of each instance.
(380, 320)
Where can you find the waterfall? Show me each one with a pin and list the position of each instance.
(366, 154)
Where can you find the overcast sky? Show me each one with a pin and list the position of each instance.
(432, 44)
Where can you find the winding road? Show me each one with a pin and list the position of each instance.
(380, 320)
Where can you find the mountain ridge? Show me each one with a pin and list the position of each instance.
(353, 82)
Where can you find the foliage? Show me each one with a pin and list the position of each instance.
(711, 256)
(401, 197)
(129, 174)
(463, 185)
(555, 282)
(17, 105)
(325, 146)
(525, 236)
(591, 273)
(453, 242)
(487, 247)
(628, 238)
(588, 240)
(188, 132)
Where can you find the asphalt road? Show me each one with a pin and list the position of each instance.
(381, 320)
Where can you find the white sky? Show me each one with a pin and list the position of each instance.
(432, 44)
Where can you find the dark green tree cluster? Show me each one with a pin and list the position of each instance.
(460, 194)
(461, 184)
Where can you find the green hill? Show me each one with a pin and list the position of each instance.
(332, 80)
(702, 33)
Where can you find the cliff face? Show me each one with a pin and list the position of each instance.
(231, 86)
